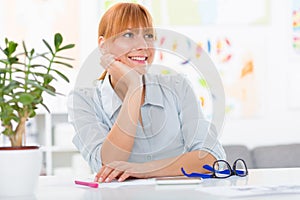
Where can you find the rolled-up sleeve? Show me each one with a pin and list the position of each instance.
(198, 132)
(89, 125)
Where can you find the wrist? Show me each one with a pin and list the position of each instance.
(150, 169)
(136, 85)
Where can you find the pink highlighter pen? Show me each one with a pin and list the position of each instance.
(89, 184)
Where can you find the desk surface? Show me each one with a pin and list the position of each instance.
(64, 188)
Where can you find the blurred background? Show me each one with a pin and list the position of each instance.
(254, 44)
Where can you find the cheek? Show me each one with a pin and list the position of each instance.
(151, 56)
(119, 48)
(123, 58)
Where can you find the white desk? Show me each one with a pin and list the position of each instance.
(58, 188)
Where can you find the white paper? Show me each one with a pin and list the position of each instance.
(177, 180)
(116, 184)
(241, 191)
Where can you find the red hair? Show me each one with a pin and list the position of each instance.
(121, 16)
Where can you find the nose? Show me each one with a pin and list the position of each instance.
(140, 42)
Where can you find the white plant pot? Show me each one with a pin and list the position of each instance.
(19, 171)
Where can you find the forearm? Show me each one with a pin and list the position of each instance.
(119, 142)
(191, 162)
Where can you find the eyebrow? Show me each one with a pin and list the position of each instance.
(145, 30)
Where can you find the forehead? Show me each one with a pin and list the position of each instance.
(132, 21)
(137, 25)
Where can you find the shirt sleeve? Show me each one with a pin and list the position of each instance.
(198, 132)
(90, 128)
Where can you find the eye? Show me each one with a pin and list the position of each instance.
(128, 35)
(149, 36)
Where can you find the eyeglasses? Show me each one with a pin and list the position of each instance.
(222, 169)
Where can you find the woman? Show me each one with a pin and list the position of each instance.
(136, 124)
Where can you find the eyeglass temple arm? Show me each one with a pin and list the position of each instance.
(195, 175)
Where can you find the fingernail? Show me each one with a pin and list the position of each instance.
(100, 179)
(107, 180)
(120, 179)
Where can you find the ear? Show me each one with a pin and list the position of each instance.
(101, 44)
(101, 41)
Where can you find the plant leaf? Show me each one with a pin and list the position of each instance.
(4, 61)
(39, 65)
(24, 47)
(61, 75)
(31, 52)
(26, 98)
(40, 54)
(44, 56)
(32, 114)
(41, 87)
(51, 88)
(57, 41)
(47, 78)
(62, 63)
(66, 58)
(12, 85)
(48, 46)
(12, 46)
(69, 46)
(13, 60)
(45, 107)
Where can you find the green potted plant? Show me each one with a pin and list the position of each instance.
(25, 76)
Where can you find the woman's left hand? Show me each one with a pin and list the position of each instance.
(121, 170)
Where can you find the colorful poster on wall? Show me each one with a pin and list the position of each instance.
(242, 67)
(296, 26)
(293, 74)
(211, 12)
(240, 60)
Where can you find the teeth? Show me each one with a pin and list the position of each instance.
(138, 58)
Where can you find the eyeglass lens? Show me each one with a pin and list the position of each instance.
(222, 169)
(240, 168)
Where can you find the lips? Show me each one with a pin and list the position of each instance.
(138, 59)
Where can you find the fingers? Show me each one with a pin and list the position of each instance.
(124, 176)
(112, 171)
(114, 174)
(102, 174)
(121, 170)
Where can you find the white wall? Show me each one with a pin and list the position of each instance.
(278, 122)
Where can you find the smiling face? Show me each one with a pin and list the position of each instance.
(133, 47)
(126, 30)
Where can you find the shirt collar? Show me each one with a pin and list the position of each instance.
(110, 100)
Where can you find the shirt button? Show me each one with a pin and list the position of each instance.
(149, 157)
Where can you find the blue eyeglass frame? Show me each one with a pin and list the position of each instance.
(229, 171)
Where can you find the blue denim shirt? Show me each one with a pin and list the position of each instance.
(173, 123)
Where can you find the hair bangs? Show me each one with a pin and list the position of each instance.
(123, 16)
